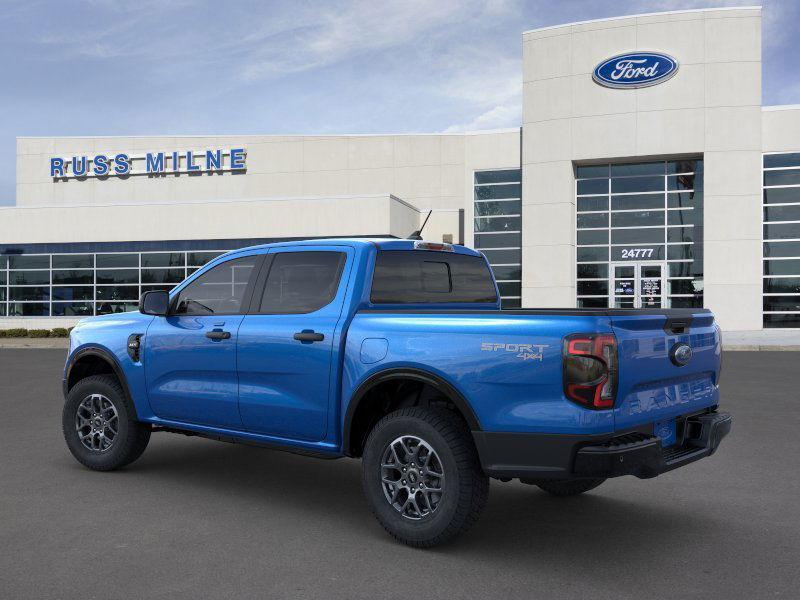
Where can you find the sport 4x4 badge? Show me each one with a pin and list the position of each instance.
(523, 351)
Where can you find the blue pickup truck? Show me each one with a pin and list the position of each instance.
(397, 352)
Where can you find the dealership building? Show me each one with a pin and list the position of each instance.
(645, 172)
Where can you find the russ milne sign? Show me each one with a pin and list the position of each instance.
(151, 163)
(635, 70)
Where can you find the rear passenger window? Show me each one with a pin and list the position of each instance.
(421, 276)
(302, 282)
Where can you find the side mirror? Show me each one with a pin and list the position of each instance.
(155, 302)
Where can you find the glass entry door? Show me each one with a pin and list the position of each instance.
(637, 285)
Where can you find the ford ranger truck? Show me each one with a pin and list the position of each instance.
(397, 352)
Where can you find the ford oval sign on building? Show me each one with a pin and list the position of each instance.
(635, 70)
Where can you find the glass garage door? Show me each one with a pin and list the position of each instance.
(781, 301)
(498, 229)
(647, 216)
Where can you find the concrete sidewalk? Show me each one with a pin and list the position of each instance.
(764, 339)
(767, 339)
(62, 343)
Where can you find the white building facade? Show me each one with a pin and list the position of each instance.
(646, 172)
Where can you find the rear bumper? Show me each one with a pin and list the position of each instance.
(638, 453)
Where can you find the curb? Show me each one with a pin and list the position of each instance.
(760, 348)
(40, 343)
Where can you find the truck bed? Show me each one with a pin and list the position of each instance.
(508, 363)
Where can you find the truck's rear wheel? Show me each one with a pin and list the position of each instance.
(99, 425)
(568, 487)
(422, 477)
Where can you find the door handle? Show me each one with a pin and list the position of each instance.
(309, 335)
(218, 335)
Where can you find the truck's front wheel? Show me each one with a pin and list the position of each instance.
(99, 425)
(422, 477)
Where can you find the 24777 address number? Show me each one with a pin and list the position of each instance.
(637, 253)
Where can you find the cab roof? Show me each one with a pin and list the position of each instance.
(381, 243)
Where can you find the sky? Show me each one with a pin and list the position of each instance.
(161, 67)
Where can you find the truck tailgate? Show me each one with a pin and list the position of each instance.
(651, 387)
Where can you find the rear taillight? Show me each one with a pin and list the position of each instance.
(590, 369)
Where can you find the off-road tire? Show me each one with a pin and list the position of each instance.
(568, 487)
(131, 439)
(465, 489)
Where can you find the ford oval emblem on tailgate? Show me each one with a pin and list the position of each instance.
(681, 354)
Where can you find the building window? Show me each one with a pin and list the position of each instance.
(82, 285)
(498, 229)
(781, 281)
(640, 234)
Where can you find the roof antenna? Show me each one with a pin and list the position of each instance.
(417, 235)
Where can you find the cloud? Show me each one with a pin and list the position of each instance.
(779, 24)
(335, 34)
(106, 29)
(489, 92)
(498, 117)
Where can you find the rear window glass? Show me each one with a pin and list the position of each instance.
(421, 276)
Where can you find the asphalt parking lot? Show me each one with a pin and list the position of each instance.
(200, 519)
